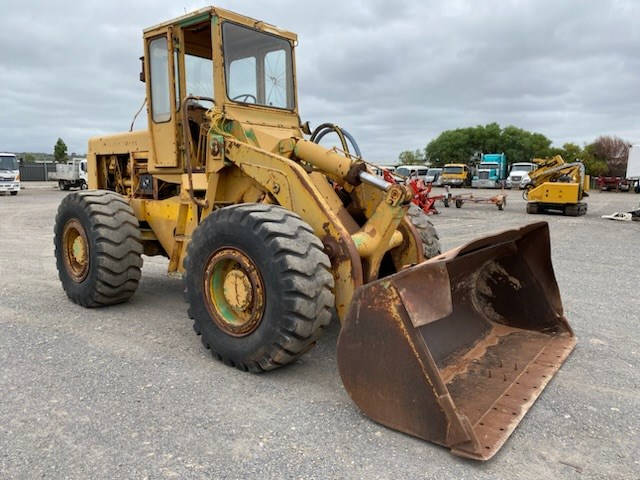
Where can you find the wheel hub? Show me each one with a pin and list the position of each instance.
(75, 250)
(237, 290)
(234, 292)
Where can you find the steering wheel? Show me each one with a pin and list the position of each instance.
(245, 97)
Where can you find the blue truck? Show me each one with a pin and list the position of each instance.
(491, 172)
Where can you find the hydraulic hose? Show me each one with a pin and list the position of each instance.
(322, 130)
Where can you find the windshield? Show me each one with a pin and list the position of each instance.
(433, 171)
(258, 67)
(488, 165)
(452, 170)
(521, 168)
(8, 162)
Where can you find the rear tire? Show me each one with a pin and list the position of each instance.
(97, 248)
(428, 233)
(258, 285)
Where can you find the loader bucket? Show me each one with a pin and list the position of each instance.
(457, 349)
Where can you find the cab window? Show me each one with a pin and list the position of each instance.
(258, 67)
(159, 66)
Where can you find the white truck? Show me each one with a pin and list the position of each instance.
(519, 174)
(72, 174)
(633, 167)
(9, 173)
(412, 171)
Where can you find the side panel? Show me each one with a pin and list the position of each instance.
(633, 164)
(120, 144)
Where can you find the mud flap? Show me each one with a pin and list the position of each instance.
(457, 349)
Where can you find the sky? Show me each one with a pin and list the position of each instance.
(393, 74)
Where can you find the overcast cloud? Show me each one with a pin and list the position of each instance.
(394, 74)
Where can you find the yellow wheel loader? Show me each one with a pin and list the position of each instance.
(557, 187)
(275, 235)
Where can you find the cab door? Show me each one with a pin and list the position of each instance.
(161, 92)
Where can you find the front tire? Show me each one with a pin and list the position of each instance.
(428, 233)
(97, 248)
(258, 285)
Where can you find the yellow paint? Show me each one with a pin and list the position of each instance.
(556, 192)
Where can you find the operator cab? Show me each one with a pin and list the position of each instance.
(214, 59)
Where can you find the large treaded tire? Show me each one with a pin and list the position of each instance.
(98, 248)
(271, 253)
(428, 233)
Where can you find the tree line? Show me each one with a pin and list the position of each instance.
(59, 154)
(605, 155)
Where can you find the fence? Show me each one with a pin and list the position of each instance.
(36, 172)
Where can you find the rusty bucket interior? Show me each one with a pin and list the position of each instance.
(456, 350)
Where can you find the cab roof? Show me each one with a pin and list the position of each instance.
(211, 12)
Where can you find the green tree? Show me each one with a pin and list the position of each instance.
(60, 151)
(570, 152)
(454, 146)
(464, 145)
(29, 158)
(411, 158)
(594, 166)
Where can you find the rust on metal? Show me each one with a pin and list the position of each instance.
(456, 350)
(76, 252)
(234, 292)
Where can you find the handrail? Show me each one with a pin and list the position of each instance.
(186, 144)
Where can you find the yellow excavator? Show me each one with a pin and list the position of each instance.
(275, 235)
(557, 187)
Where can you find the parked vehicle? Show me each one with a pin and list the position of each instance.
(557, 187)
(9, 173)
(456, 175)
(491, 172)
(412, 171)
(519, 175)
(72, 174)
(434, 177)
(379, 169)
(618, 184)
(633, 167)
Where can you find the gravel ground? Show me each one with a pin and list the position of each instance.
(129, 391)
